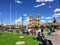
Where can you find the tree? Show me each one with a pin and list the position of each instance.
(42, 26)
(36, 27)
(47, 26)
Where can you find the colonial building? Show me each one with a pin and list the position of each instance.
(34, 21)
(13, 27)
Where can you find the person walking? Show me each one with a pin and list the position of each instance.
(49, 31)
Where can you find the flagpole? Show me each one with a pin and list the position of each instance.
(16, 18)
(10, 17)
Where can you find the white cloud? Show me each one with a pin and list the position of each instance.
(44, 0)
(49, 21)
(42, 4)
(42, 17)
(18, 20)
(58, 14)
(37, 0)
(54, 16)
(57, 10)
(24, 14)
(48, 17)
(26, 21)
(17, 1)
(43, 20)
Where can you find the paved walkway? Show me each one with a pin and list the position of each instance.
(55, 39)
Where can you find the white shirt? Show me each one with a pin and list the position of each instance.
(39, 31)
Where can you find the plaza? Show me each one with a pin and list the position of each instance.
(18, 38)
(29, 22)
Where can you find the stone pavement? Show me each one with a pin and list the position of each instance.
(55, 39)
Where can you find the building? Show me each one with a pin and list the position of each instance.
(34, 21)
(57, 24)
(13, 27)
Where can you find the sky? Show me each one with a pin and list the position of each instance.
(11, 11)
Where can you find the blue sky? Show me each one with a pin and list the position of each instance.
(45, 8)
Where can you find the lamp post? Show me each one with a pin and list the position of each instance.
(16, 18)
(23, 23)
(54, 21)
(10, 18)
(17, 2)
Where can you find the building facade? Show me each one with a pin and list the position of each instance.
(34, 21)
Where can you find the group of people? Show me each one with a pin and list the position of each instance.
(43, 39)
(40, 36)
(33, 31)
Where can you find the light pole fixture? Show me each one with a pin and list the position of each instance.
(23, 22)
(10, 18)
(54, 19)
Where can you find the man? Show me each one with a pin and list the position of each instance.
(29, 30)
(39, 30)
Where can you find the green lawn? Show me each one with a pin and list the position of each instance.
(8, 38)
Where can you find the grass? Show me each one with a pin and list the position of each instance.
(8, 38)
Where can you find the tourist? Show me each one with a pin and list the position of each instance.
(49, 42)
(44, 41)
(39, 38)
(34, 32)
(43, 36)
(39, 30)
(49, 31)
(42, 30)
(29, 30)
(53, 29)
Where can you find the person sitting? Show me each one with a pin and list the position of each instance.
(49, 42)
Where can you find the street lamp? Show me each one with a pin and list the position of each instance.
(23, 23)
(17, 2)
(10, 18)
(54, 19)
